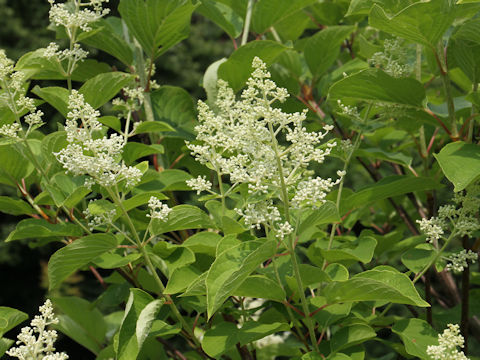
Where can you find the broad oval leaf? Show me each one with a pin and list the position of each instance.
(417, 335)
(380, 284)
(231, 268)
(376, 86)
(238, 67)
(81, 321)
(103, 87)
(126, 342)
(267, 13)
(223, 16)
(157, 24)
(79, 253)
(460, 162)
(322, 49)
(40, 228)
(182, 217)
(9, 318)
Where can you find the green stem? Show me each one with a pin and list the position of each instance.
(291, 243)
(141, 71)
(340, 187)
(434, 260)
(116, 199)
(222, 193)
(248, 18)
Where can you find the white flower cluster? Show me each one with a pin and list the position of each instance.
(13, 86)
(41, 347)
(158, 210)
(73, 17)
(447, 345)
(461, 217)
(432, 228)
(97, 220)
(283, 230)
(87, 154)
(238, 140)
(242, 140)
(392, 60)
(347, 110)
(256, 214)
(199, 184)
(76, 54)
(458, 262)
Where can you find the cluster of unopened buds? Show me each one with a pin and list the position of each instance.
(35, 341)
(448, 342)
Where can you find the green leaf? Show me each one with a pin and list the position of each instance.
(238, 67)
(376, 86)
(126, 342)
(267, 13)
(157, 24)
(322, 49)
(113, 261)
(103, 87)
(210, 79)
(79, 253)
(219, 339)
(380, 284)
(417, 258)
(330, 314)
(351, 335)
(223, 16)
(76, 196)
(81, 321)
(259, 286)
(153, 127)
(417, 335)
(361, 249)
(180, 279)
(222, 337)
(170, 179)
(15, 206)
(362, 7)
(175, 106)
(460, 162)
(55, 96)
(204, 242)
(40, 228)
(377, 153)
(5, 344)
(13, 167)
(145, 320)
(388, 187)
(110, 39)
(174, 256)
(325, 214)
(421, 22)
(182, 217)
(9, 318)
(37, 67)
(142, 199)
(133, 151)
(232, 267)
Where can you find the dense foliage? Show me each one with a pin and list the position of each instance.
(321, 202)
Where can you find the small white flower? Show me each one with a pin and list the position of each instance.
(432, 228)
(283, 230)
(41, 347)
(447, 345)
(158, 210)
(88, 154)
(459, 261)
(10, 130)
(199, 184)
